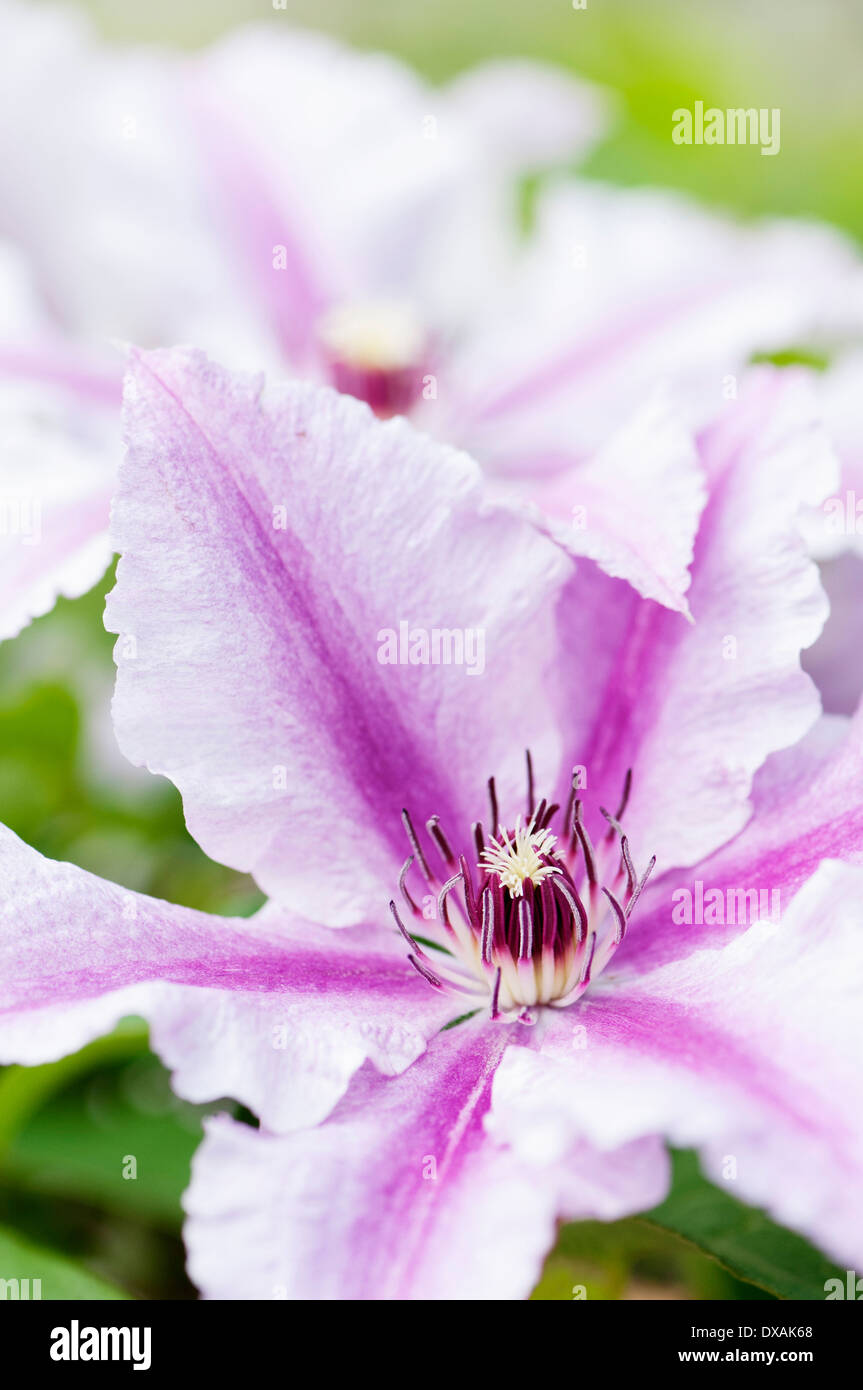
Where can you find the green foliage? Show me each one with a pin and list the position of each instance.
(22, 1262)
(745, 1241)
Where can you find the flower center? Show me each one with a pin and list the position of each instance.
(533, 919)
(375, 352)
(528, 856)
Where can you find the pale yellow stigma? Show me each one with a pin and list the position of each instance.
(379, 335)
(517, 859)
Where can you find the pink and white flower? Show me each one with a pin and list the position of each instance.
(268, 537)
(283, 201)
(278, 199)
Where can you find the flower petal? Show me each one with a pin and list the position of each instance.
(622, 289)
(277, 1013)
(377, 185)
(634, 507)
(59, 458)
(272, 548)
(837, 525)
(808, 807)
(694, 709)
(748, 1053)
(59, 441)
(529, 113)
(401, 1195)
(835, 661)
(111, 156)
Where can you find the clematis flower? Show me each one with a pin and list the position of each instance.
(468, 1008)
(138, 154)
(284, 201)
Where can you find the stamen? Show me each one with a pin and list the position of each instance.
(631, 876)
(624, 800)
(525, 929)
(442, 897)
(540, 920)
(495, 997)
(619, 914)
(416, 846)
(427, 974)
(414, 945)
(584, 840)
(584, 977)
(492, 796)
(469, 897)
(570, 893)
(637, 894)
(625, 855)
(403, 886)
(440, 839)
(487, 937)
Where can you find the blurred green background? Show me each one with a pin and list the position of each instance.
(66, 1213)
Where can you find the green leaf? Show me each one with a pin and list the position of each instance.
(632, 1259)
(24, 1090)
(743, 1239)
(22, 1262)
(117, 1139)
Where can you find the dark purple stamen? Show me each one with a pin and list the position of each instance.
(580, 830)
(540, 920)
(403, 886)
(495, 997)
(427, 974)
(525, 928)
(626, 857)
(492, 796)
(416, 846)
(414, 945)
(624, 800)
(442, 897)
(619, 914)
(487, 928)
(570, 894)
(637, 894)
(469, 898)
(585, 974)
(440, 839)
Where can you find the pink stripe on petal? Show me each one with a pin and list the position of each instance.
(269, 543)
(401, 1195)
(748, 1053)
(274, 1011)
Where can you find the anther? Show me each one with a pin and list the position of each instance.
(403, 885)
(416, 846)
(440, 839)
